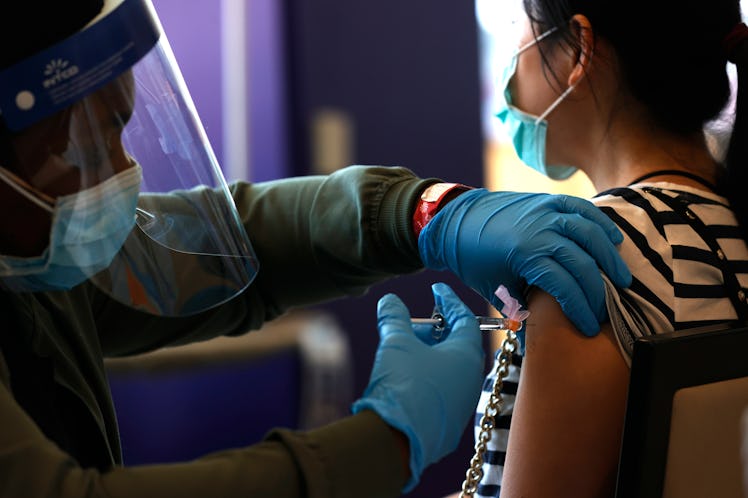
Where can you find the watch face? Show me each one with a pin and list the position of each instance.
(434, 192)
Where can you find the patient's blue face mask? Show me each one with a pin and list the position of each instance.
(528, 132)
(88, 229)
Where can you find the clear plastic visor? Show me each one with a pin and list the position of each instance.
(132, 137)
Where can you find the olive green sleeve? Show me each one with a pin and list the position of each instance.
(322, 237)
(316, 238)
(357, 456)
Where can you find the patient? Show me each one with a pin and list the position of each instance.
(626, 91)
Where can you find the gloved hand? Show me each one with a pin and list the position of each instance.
(554, 242)
(428, 392)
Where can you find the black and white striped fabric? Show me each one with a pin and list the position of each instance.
(677, 282)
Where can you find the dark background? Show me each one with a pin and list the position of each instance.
(408, 73)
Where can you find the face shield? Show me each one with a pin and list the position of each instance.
(105, 161)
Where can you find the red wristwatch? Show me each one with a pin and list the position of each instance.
(432, 199)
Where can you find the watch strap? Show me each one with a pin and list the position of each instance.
(432, 200)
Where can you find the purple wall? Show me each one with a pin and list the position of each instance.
(268, 91)
(193, 28)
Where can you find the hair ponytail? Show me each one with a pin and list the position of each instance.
(736, 163)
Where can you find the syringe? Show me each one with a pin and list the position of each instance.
(484, 322)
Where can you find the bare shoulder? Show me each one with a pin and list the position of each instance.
(569, 410)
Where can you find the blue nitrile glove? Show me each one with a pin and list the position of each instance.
(428, 392)
(554, 242)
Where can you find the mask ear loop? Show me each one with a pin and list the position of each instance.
(28, 191)
(556, 103)
(536, 40)
(566, 92)
(561, 97)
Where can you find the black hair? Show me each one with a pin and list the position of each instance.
(29, 26)
(672, 59)
(736, 177)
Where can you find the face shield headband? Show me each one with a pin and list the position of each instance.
(82, 114)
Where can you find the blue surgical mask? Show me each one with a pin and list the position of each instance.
(88, 229)
(528, 132)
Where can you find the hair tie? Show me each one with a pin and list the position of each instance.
(734, 39)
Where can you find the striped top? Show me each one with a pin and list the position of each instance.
(678, 281)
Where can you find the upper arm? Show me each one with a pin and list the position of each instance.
(568, 415)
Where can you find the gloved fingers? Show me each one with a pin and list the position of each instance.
(591, 237)
(584, 208)
(580, 266)
(428, 335)
(461, 321)
(556, 280)
(393, 317)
